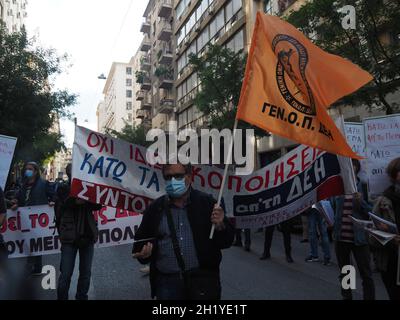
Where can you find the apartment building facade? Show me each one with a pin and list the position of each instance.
(13, 13)
(157, 73)
(117, 108)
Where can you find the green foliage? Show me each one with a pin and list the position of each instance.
(366, 46)
(140, 75)
(28, 101)
(131, 133)
(164, 71)
(221, 73)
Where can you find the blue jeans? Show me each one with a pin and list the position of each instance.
(315, 220)
(67, 265)
(170, 287)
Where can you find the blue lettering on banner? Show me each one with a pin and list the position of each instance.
(275, 198)
(104, 167)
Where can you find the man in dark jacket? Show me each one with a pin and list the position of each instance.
(78, 232)
(34, 191)
(193, 214)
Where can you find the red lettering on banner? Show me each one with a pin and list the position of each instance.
(113, 197)
(238, 184)
(260, 183)
(210, 180)
(89, 140)
(196, 173)
(121, 213)
(267, 178)
(304, 155)
(101, 142)
(33, 218)
(319, 153)
(279, 173)
(139, 157)
(293, 172)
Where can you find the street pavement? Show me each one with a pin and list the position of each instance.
(116, 276)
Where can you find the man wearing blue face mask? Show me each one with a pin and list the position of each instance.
(184, 262)
(34, 191)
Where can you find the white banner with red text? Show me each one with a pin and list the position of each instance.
(115, 173)
(31, 231)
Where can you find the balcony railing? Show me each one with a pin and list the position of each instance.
(145, 63)
(166, 105)
(146, 84)
(146, 104)
(140, 95)
(146, 45)
(165, 9)
(146, 27)
(142, 114)
(166, 81)
(165, 32)
(165, 56)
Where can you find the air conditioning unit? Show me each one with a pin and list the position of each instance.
(177, 51)
(197, 26)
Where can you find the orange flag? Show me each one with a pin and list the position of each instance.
(289, 83)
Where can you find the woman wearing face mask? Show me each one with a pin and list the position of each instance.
(388, 207)
(34, 191)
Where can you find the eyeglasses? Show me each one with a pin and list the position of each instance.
(177, 176)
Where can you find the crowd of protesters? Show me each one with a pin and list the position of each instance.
(184, 263)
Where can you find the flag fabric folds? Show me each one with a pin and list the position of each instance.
(289, 83)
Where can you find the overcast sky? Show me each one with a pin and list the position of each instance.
(94, 34)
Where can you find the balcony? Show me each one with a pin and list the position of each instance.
(141, 114)
(145, 63)
(146, 45)
(165, 9)
(165, 56)
(165, 32)
(140, 95)
(166, 106)
(166, 81)
(146, 105)
(145, 84)
(146, 27)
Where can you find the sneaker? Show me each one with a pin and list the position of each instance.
(327, 262)
(312, 259)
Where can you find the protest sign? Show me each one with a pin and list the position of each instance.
(115, 173)
(31, 231)
(7, 147)
(382, 146)
(355, 136)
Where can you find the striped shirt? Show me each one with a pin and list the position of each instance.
(347, 231)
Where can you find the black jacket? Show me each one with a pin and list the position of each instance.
(199, 214)
(75, 223)
(41, 194)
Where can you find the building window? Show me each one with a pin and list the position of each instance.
(129, 117)
(129, 106)
(237, 42)
(129, 82)
(129, 93)
(129, 71)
